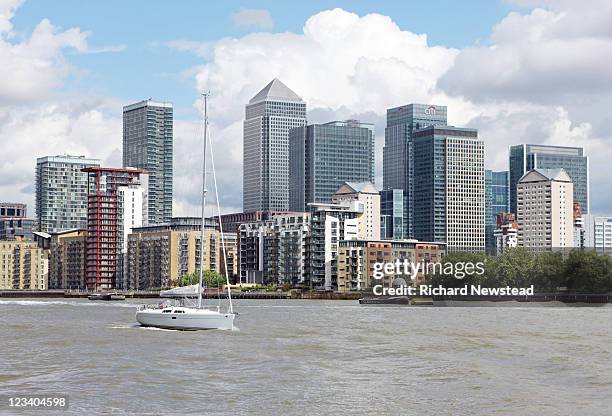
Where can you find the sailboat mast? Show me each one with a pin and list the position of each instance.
(205, 95)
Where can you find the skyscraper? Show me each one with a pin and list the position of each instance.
(497, 195)
(398, 159)
(269, 117)
(61, 192)
(449, 187)
(525, 157)
(324, 156)
(147, 145)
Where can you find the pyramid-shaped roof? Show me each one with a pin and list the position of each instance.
(275, 90)
(539, 174)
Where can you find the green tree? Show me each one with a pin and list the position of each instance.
(588, 272)
(210, 278)
(548, 272)
(513, 268)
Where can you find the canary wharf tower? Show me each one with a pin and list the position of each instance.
(269, 117)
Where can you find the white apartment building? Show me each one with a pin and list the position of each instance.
(367, 198)
(597, 232)
(545, 209)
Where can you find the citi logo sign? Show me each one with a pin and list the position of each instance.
(431, 110)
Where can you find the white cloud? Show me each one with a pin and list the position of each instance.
(107, 49)
(253, 18)
(547, 55)
(7, 11)
(33, 68)
(35, 119)
(76, 126)
(521, 88)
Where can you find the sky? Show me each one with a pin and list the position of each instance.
(520, 71)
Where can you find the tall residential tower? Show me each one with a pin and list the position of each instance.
(61, 192)
(147, 145)
(269, 117)
(545, 209)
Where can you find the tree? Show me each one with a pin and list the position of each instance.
(548, 272)
(210, 279)
(588, 272)
(513, 268)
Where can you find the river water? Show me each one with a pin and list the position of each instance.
(312, 358)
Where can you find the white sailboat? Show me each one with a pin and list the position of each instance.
(199, 317)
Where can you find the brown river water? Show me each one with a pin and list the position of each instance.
(312, 358)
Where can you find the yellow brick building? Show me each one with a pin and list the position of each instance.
(23, 265)
(158, 256)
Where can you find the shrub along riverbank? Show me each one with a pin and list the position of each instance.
(579, 271)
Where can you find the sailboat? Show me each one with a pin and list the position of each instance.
(199, 317)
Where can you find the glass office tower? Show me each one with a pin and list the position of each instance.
(148, 145)
(497, 201)
(269, 116)
(322, 157)
(398, 158)
(525, 157)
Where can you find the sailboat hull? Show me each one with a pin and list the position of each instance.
(185, 319)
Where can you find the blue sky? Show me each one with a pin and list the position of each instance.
(519, 71)
(147, 68)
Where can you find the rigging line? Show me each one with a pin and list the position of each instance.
(212, 164)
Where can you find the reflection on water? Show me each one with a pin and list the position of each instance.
(312, 357)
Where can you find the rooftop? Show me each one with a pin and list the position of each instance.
(353, 187)
(147, 103)
(276, 90)
(539, 174)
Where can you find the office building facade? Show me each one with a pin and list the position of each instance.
(148, 145)
(392, 214)
(324, 156)
(497, 201)
(269, 116)
(449, 188)
(398, 151)
(61, 192)
(525, 157)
